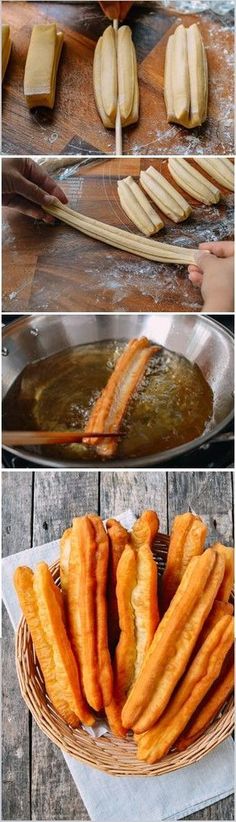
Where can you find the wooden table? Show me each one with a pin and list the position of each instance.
(57, 268)
(74, 125)
(36, 509)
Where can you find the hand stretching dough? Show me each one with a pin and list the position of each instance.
(41, 65)
(192, 181)
(6, 48)
(164, 195)
(186, 78)
(141, 246)
(115, 77)
(137, 207)
(220, 168)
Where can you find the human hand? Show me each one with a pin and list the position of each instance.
(214, 274)
(116, 11)
(27, 188)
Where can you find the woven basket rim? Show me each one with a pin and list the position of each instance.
(107, 753)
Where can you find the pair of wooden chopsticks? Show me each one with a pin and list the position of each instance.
(10, 438)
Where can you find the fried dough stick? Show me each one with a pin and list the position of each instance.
(203, 671)
(65, 546)
(118, 539)
(111, 406)
(138, 610)
(42, 605)
(174, 641)
(228, 580)
(210, 705)
(187, 540)
(81, 600)
(101, 627)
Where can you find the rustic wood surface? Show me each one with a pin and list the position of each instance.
(74, 125)
(56, 268)
(36, 508)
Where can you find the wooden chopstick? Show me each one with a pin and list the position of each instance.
(10, 438)
(118, 126)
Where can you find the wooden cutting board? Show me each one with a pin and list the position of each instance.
(56, 268)
(74, 125)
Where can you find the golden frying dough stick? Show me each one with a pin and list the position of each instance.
(174, 641)
(81, 606)
(187, 540)
(126, 241)
(6, 48)
(164, 195)
(41, 603)
(210, 705)
(65, 546)
(188, 178)
(137, 207)
(228, 580)
(112, 403)
(101, 627)
(42, 64)
(203, 671)
(186, 78)
(118, 539)
(220, 168)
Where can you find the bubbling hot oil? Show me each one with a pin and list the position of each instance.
(172, 405)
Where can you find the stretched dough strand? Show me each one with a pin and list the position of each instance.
(118, 238)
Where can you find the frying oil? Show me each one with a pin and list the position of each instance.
(172, 405)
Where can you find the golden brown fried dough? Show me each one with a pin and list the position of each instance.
(174, 641)
(228, 581)
(210, 705)
(101, 627)
(65, 546)
(42, 605)
(187, 540)
(203, 671)
(118, 539)
(81, 602)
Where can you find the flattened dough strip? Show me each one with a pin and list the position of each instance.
(186, 78)
(188, 178)
(117, 237)
(220, 168)
(137, 207)
(165, 195)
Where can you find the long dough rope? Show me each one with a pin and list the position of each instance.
(118, 238)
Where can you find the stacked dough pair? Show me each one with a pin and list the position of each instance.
(102, 646)
(41, 65)
(115, 79)
(166, 197)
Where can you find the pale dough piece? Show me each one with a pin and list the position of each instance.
(164, 195)
(115, 77)
(188, 178)
(6, 48)
(118, 238)
(186, 78)
(42, 64)
(137, 207)
(220, 168)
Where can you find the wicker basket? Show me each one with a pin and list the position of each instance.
(107, 753)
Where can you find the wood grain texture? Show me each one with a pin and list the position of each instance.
(56, 268)
(74, 125)
(36, 508)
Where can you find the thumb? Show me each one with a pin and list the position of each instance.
(203, 260)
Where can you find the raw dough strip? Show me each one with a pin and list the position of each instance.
(221, 169)
(42, 64)
(137, 207)
(112, 403)
(192, 181)
(6, 48)
(117, 237)
(115, 75)
(186, 78)
(164, 195)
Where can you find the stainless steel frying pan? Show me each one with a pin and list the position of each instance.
(199, 338)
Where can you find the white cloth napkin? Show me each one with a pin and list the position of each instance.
(133, 799)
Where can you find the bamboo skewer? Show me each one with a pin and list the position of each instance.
(118, 126)
(10, 438)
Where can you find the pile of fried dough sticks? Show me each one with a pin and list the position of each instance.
(156, 656)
